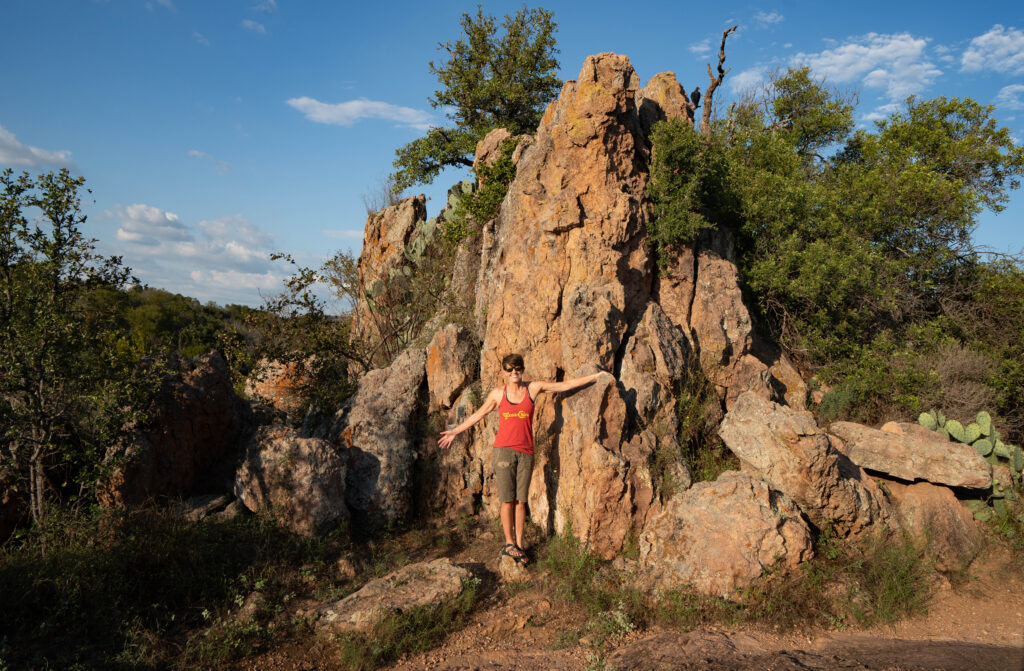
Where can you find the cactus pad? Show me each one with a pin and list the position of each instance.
(1001, 450)
(940, 418)
(926, 420)
(983, 446)
(956, 430)
(984, 420)
(972, 432)
(1017, 459)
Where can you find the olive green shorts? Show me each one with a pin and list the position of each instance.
(512, 470)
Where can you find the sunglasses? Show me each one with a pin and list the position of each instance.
(509, 369)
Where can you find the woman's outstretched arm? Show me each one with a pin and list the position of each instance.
(490, 403)
(564, 385)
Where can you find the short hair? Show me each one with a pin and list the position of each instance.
(512, 360)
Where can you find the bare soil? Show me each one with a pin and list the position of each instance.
(976, 624)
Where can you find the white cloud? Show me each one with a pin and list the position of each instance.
(765, 19)
(895, 63)
(344, 233)
(881, 112)
(1011, 97)
(148, 225)
(745, 80)
(267, 7)
(222, 167)
(701, 48)
(1000, 49)
(200, 38)
(254, 26)
(347, 113)
(17, 155)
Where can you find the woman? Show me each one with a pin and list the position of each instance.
(512, 458)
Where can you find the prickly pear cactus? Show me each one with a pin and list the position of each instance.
(984, 422)
(983, 446)
(1017, 460)
(927, 420)
(972, 432)
(956, 430)
(1001, 450)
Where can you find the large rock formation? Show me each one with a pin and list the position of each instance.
(412, 586)
(913, 455)
(787, 449)
(385, 238)
(933, 515)
(451, 363)
(196, 422)
(378, 427)
(299, 481)
(721, 535)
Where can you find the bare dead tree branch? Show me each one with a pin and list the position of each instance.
(705, 121)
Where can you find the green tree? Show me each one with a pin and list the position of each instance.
(489, 81)
(66, 391)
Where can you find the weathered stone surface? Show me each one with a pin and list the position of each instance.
(787, 449)
(595, 481)
(461, 465)
(384, 241)
(377, 426)
(564, 274)
(913, 455)
(196, 508)
(421, 584)
(512, 571)
(662, 98)
(197, 423)
(719, 536)
(300, 481)
(652, 365)
(933, 514)
(451, 363)
(278, 384)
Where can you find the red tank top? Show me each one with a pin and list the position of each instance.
(515, 423)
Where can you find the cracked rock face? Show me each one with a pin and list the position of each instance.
(787, 450)
(719, 536)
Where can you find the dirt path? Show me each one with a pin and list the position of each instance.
(979, 624)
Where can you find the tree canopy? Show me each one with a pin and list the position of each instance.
(489, 79)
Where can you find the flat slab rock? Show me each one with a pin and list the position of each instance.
(409, 587)
(913, 455)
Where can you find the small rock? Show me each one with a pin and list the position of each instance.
(252, 608)
(345, 568)
(512, 571)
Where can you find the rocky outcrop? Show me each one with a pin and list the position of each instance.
(787, 449)
(451, 365)
(298, 481)
(933, 515)
(196, 424)
(384, 242)
(413, 586)
(378, 428)
(700, 293)
(913, 454)
(719, 536)
(279, 385)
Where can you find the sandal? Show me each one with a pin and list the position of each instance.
(517, 554)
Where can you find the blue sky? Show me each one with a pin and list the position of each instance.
(214, 133)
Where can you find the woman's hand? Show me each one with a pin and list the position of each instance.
(446, 438)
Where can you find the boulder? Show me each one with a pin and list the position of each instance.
(461, 466)
(719, 536)
(378, 427)
(415, 585)
(510, 570)
(451, 363)
(787, 449)
(277, 384)
(196, 425)
(932, 514)
(913, 454)
(299, 481)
